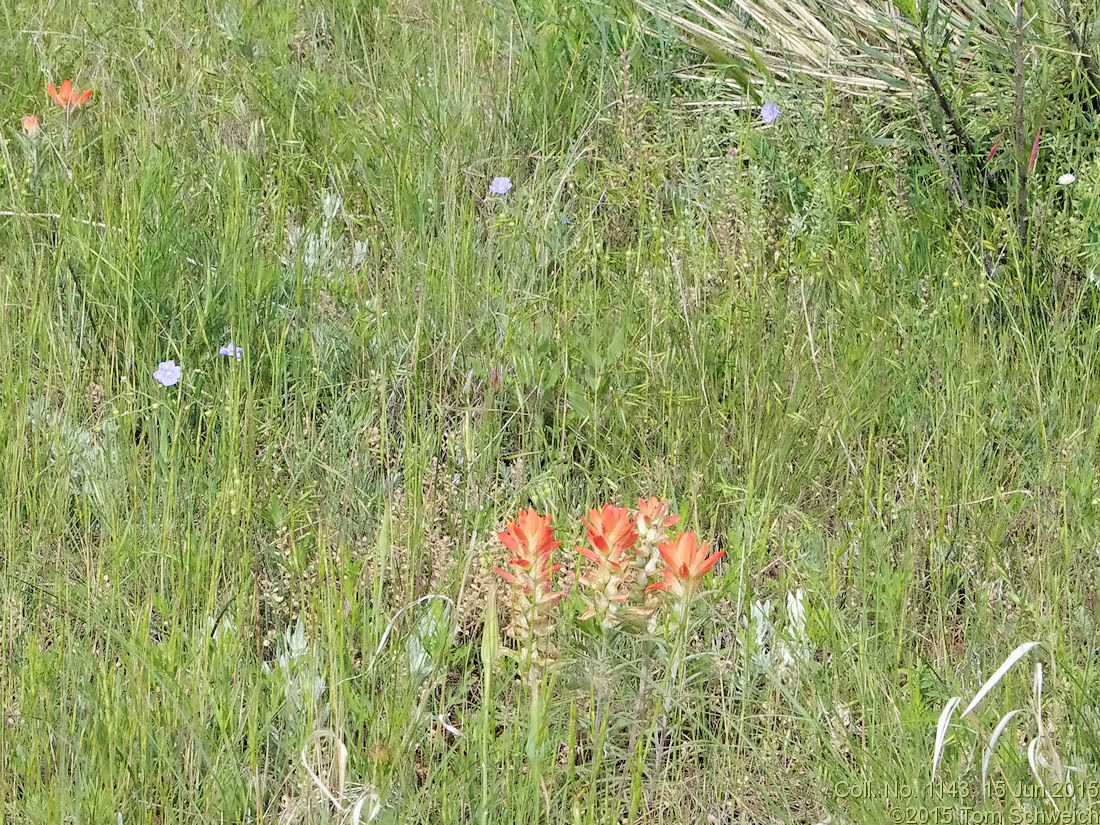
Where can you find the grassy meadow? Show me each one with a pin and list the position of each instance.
(877, 403)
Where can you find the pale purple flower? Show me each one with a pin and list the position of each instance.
(168, 373)
(230, 350)
(500, 186)
(769, 112)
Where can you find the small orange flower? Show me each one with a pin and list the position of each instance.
(686, 562)
(67, 97)
(654, 514)
(652, 525)
(31, 126)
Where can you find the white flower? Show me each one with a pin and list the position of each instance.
(1066, 179)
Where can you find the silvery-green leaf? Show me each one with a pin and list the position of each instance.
(358, 254)
(429, 636)
(796, 615)
(331, 205)
(420, 661)
(296, 643)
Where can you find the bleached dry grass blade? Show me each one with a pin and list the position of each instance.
(1038, 686)
(1032, 759)
(341, 764)
(389, 627)
(354, 812)
(857, 45)
(941, 732)
(997, 731)
(810, 39)
(992, 681)
(451, 729)
(1041, 751)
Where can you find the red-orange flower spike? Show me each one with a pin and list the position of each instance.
(612, 536)
(686, 562)
(611, 531)
(531, 540)
(531, 596)
(67, 97)
(652, 524)
(653, 515)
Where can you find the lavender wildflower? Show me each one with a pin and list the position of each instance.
(230, 350)
(168, 373)
(500, 186)
(769, 112)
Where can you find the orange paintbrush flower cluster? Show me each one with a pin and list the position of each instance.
(686, 562)
(625, 549)
(653, 525)
(67, 97)
(612, 536)
(532, 595)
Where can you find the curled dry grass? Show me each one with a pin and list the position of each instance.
(858, 47)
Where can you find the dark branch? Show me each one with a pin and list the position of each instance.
(945, 104)
(1021, 138)
(1087, 59)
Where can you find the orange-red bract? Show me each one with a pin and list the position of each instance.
(686, 562)
(67, 97)
(531, 596)
(531, 539)
(654, 513)
(611, 532)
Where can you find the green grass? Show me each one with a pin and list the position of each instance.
(789, 333)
